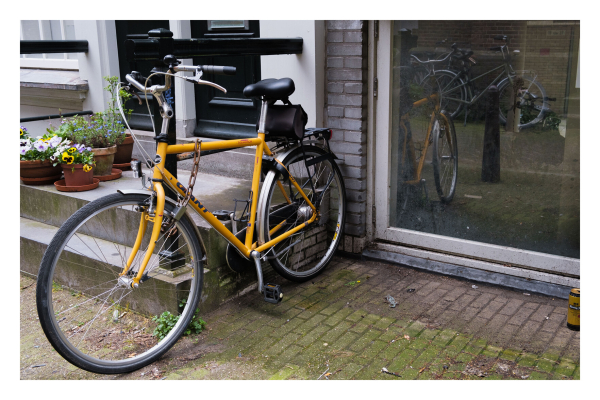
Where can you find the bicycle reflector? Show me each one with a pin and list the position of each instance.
(330, 134)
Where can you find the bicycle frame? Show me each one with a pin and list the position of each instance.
(419, 168)
(468, 82)
(244, 248)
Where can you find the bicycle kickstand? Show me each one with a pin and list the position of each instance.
(271, 292)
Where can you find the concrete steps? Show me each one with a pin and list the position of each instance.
(43, 209)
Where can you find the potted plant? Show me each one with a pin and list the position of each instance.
(77, 162)
(36, 156)
(99, 132)
(124, 148)
(102, 132)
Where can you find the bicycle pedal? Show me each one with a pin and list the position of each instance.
(272, 293)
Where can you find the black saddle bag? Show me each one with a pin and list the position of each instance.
(286, 121)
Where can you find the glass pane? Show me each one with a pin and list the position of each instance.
(31, 31)
(55, 34)
(516, 185)
(229, 24)
(55, 30)
(70, 35)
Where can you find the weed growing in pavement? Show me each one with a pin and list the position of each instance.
(166, 321)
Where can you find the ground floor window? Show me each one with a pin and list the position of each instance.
(517, 185)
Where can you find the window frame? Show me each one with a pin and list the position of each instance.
(65, 63)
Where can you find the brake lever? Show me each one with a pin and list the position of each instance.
(202, 82)
(221, 88)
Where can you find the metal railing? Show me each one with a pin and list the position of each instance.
(54, 46)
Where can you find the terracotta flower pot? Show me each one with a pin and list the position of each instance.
(124, 150)
(76, 176)
(39, 172)
(104, 158)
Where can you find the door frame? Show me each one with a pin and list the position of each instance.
(511, 261)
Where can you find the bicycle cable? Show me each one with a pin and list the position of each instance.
(148, 159)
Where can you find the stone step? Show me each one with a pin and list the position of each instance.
(84, 253)
(43, 209)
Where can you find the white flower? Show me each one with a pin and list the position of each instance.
(55, 141)
(24, 150)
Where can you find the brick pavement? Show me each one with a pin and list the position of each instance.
(444, 329)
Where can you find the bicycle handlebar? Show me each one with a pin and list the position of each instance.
(454, 50)
(135, 78)
(209, 69)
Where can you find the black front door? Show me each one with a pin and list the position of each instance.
(139, 117)
(230, 115)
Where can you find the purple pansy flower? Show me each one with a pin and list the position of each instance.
(40, 146)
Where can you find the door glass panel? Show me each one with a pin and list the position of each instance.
(518, 182)
(216, 25)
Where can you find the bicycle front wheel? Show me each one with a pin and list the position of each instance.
(451, 89)
(445, 157)
(304, 254)
(90, 315)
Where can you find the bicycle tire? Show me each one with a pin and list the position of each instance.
(304, 254)
(99, 344)
(452, 93)
(445, 158)
(538, 91)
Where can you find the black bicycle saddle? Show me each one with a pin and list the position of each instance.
(272, 89)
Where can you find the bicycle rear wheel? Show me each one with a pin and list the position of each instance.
(93, 318)
(304, 254)
(532, 96)
(445, 157)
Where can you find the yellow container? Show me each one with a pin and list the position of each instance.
(573, 313)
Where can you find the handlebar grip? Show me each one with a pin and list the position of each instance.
(219, 70)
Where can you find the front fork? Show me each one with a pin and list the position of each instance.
(161, 151)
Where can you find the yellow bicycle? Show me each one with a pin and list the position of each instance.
(137, 253)
(441, 134)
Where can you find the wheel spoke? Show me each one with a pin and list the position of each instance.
(304, 253)
(83, 286)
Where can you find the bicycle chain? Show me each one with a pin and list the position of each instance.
(183, 201)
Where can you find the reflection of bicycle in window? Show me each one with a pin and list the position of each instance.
(441, 135)
(458, 91)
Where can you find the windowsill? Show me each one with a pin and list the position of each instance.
(50, 63)
(52, 88)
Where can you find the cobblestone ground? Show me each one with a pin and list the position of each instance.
(341, 323)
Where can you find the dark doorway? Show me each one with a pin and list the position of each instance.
(139, 117)
(230, 115)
